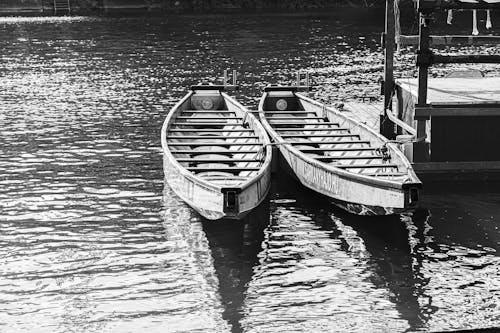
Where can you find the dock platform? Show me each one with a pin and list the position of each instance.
(456, 90)
(452, 121)
(460, 121)
(365, 112)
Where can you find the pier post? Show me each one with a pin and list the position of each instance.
(387, 127)
(424, 55)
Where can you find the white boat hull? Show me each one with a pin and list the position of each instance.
(209, 202)
(337, 156)
(217, 156)
(356, 198)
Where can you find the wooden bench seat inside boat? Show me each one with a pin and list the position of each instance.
(327, 141)
(215, 143)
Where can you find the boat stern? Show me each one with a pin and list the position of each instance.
(412, 194)
(231, 204)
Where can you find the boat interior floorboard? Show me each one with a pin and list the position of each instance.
(315, 129)
(309, 142)
(296, 117)
(326, 135)
(209, 111)
(289, 112)
(363, 166)
(209, 160)
(216, 145)
(331, 143)
(212, 137)
(333, 149)
(206, 118)
(225, 143)
(210, 130)
(227, 151)
(215, 168)
(272, 122)
(359, 157)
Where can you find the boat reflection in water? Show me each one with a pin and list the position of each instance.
(302, 263)
(323, 269)
(235, 246)
(189, 275)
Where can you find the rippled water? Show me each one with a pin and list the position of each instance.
(93, 241)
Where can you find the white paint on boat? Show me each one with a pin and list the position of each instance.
(210, 190)
(344, 181)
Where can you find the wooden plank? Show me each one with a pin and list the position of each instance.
(288, 112)
(210, 130)
(328, 142)
(304, 123)
(456, 166)
(466, 59)
(365, 166)
(356, 157)
(318, 135)
(217, 160)
(203, 152)
(456, 91)
(461, 139)
(190, 137)
(208, 111)
(324, 129)
(387, 127)
(221, 123)
(421, 149)
(207, 118)
(314, 149)
(473, 111)
(405, 40)
(214, 143)
(392, 174)
(239, 169)
(209, 87)
(367, 113)
(294, 117)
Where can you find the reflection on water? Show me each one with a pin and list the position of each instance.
(234, 247)
(92, 240)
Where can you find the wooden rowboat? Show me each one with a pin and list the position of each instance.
(217, 156)
(337, 156)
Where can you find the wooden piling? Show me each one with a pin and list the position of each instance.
(386, 126)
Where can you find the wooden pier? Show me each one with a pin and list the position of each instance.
(367, 113)
(452, 122)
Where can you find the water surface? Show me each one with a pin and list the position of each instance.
(93, 241)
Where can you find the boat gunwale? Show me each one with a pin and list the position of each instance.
(365, 179)
(266, 163)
